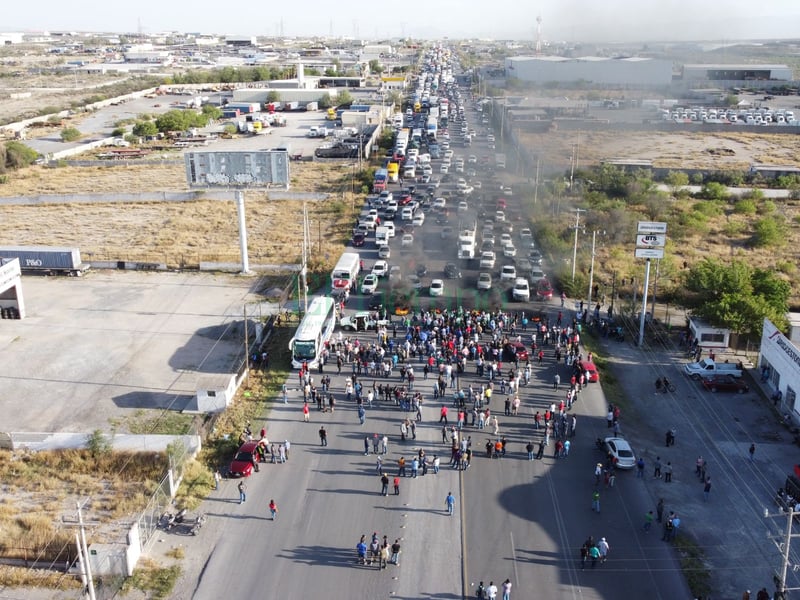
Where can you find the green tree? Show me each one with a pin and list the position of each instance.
(731, 100)
(344, 97)
(736, 295)
(145, 129)
(273, 96)
(70, 134)
(713, 191)
(325, 101)
(211, 112)
(375, 66)
(769, 232)
(676, 180)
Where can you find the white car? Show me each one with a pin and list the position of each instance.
(380, 268)
(418, 220)
(509, 251)
(407, 240)
(390, 231)
(521, 291)
(622, 451)
(439, 203)
(472, 159)
(505, 239)
(370, 284)
(509, 273)
(394, 273)
(500, 216)
(526, 235)
(445, 168)
(437, 287)
(459, 167)
(448, 154)
(463, 206)
(484, 281)
(477, 185)
(487, 260)
(415, 282)
(384, 252)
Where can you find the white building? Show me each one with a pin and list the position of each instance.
(8, 37)
(632, 71)
(779, 366)
(737, 72)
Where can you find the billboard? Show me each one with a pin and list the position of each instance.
(266, 168)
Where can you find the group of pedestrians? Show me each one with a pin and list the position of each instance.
(378, 551)
(490, 592)
(594, 552)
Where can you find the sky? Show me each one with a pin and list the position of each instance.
(562, 20)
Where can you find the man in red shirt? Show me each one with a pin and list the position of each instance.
(443, 415)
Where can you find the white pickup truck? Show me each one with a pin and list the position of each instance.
(707, 368)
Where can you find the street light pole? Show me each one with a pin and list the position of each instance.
(577, 226)
(591, 272)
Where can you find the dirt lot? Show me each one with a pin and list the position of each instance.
(714, 151)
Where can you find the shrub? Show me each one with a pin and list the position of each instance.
(767, 207)
(786, 266)
(769, 232)
(745, 206)
(70, 134)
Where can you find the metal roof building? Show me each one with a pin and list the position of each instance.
(740, 72)
(631, 71)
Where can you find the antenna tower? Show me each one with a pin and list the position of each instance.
(539, 34)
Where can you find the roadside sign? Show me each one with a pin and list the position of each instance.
(651, 240)
(651, 227)
(649, 253)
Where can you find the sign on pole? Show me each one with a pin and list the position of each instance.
(651, 240)
(652, 227)
(649, 253)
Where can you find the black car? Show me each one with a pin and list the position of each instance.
(359, 239)
(451, 271)
(421, 271)
(441, 219)
(535, 257)
(376, 301)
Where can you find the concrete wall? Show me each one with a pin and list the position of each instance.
(609, 71)
(39, 441)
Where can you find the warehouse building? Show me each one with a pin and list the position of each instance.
(779, 366)
(735, 72)
(628, 72)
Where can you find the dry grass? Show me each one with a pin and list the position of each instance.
(176, 233)
(17, 577)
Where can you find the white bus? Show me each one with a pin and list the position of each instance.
(343, 276)
(313, 332)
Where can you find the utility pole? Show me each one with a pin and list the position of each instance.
(655, 288)
(783, 543)
(643, 313)
(536, 183)
(591, 271)
(576, 227)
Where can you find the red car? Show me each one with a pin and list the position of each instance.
(725, 383)
(544, 290)
(242, 463)
(517, 349)
(359, 239)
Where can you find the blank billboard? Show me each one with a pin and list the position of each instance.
(266, 168)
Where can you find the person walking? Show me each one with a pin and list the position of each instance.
(594, 554)
(657, 468)
(323, 436)
(450, 503)
(752, 451)
(273, 509)
(640, 468)
(217, 478)
(396, 483)
(596, 501)
(242, 491)
(507, 589)
(660, 510)
(395, 560)
(362, 414)
(648, 521)
(305, 411)
(707, 489)
(384, 484)
(540, 451)
(668, 472)
(529, 449)
(366, 445)
(556, 381)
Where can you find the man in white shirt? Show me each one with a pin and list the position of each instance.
(491, 591)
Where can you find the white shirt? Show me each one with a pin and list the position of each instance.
(491, 591)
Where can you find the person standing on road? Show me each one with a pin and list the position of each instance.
(594, 554)
(395, 560)
(529, 449)
(273, 509)
(323, 436)
(507, 589)
(603, 547)
(362, 414)
(491, 591)
(443, 415)
(668, 473)
(305, 411)
(752, 450)
(556, 381)
(385, 443)
(242, 491)
(366, 445)
(540, 451)
(657, 468)
(707, 489)
(384, 484)
(660, 510)
(450, 503)
(648, 521)
(596, 501)
(217, 477)
(396, 483)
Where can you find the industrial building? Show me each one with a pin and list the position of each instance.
(734, 72)
(632, 71)
(779, 365)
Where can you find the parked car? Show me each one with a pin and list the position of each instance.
(621, 450)
(242, 463)
(370, 284)
(725, 383)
